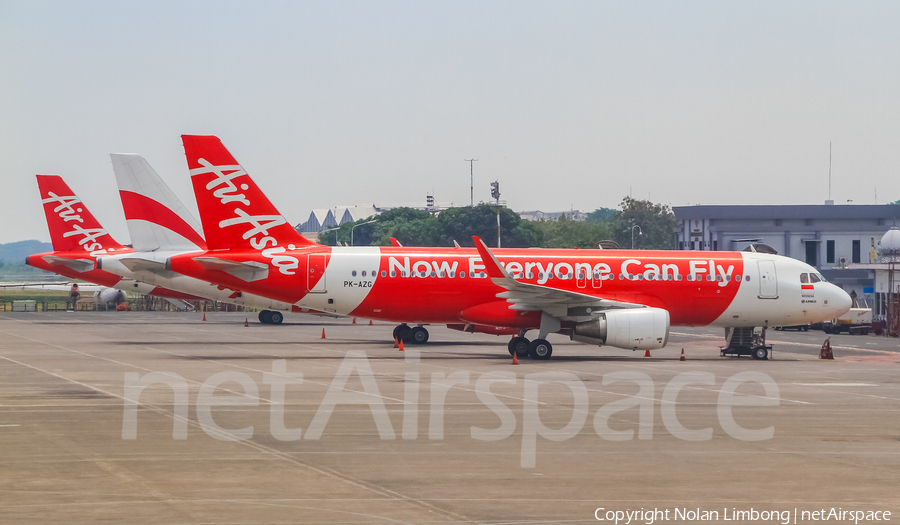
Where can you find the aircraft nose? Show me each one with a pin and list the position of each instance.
(841, 301)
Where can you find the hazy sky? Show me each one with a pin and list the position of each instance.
(568, 104)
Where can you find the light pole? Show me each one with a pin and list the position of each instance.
(354, 227)
(640, 232)
(335, 235)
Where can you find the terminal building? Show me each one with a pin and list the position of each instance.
(842, 241)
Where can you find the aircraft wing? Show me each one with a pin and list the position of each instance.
(51, 286)
(534, 297)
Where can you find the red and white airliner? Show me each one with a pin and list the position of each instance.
(78, 239)
(160, 226)
(621, 298)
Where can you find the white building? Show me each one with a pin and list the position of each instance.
(841, 241)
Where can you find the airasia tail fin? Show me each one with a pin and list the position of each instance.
(235, 213)
(72, 227)
(157, 220)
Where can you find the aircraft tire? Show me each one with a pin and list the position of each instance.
(519, 345)
(401, 332)
(265, 317)
(397, 330)
(761, 353)
(540, 349)
(417, 335)
(276, 317)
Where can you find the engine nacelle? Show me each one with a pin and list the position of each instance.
(109, 295)
(632, 329)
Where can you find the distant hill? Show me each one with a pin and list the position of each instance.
(12, 260)
(17, 251)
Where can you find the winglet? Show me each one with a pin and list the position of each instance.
(396, 243)
(455, 244)
(491, 264)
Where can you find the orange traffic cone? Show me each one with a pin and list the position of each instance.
(354, 321)
(204, 316)
(246, 321)
(395, 343)
(323, 333)
(647, 353)
(370, 322)
(401, 345)
(515, 358)
(682, 355)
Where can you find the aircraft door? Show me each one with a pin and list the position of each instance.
(768, 281)
(597, 281)
(581, 277)
(315, 273)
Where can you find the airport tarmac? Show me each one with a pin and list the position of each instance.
(431, 439)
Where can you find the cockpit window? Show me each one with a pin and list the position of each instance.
(816, 278)
(804, 278)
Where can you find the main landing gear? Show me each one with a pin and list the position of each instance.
(270, 317)
(415, 335)
(537, 349)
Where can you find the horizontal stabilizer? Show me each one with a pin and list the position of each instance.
(78, 265)
(136, 264)
(248, 271)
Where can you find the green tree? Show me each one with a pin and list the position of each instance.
(602, 215)
(460, 224)
(655, 221)
(566, 233)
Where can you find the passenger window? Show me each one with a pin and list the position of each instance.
(422, 274)
(384, 273)
(737, 278)
(363, 273)
(804, 278)
(452, 274)
(747, 278)
(403, 273)
(482, 275)
(813, 278)
(433, 274)
(462, 274)
(678, 277)
(393, 273)
(353, 273)
(442, 274)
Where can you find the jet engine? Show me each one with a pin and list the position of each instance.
(108, 296)
(633, 329)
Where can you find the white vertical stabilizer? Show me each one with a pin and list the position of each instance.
(157, 220)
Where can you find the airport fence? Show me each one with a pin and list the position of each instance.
(145, 303)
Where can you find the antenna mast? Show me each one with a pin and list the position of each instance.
(471, 181)
(829, 170)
